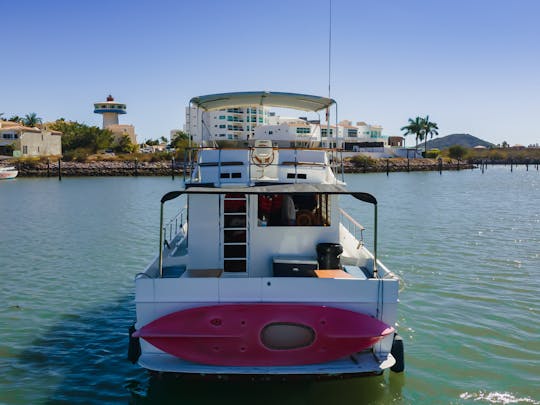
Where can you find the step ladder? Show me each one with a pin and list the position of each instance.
(235, 233)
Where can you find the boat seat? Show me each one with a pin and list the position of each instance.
(355, 272)
(173, 271)
(203, 273)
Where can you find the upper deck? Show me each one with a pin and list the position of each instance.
(262, 163)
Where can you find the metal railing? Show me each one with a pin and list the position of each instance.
(191, 164)
(174, 225)
(354, 227)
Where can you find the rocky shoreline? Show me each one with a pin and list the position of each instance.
(405, 165)
(165, 168)
(102, 168)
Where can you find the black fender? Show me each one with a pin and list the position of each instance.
(398, 352)
(134, 347)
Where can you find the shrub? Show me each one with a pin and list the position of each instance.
(29, 161)
(160, 156)
(76, 155)
(362, 160)
(433, 153)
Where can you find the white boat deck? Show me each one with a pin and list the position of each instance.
(359, 363)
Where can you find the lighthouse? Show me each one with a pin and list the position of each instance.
(110, 110)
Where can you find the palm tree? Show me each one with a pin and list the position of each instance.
(31, 120)
(15, 118)
(414, 128)
(428, 128)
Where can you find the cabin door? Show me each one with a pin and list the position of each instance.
(235, 233)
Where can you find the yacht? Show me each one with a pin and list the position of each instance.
(260, 272)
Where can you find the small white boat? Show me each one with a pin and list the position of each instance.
(262, 273)
(9, 172)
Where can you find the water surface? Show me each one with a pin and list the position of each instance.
(466, 244)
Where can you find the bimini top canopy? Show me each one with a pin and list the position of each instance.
(302, 102)
(299, 188)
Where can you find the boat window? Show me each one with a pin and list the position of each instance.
(308, 209)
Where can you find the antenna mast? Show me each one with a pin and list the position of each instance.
(328, 137)
(330, 49)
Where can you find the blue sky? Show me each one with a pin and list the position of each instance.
(472, 65)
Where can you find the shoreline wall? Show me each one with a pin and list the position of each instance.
(164, 168)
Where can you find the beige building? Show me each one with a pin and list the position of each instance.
(121, 130)
(29, 141)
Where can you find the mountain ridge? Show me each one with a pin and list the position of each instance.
(465, 140)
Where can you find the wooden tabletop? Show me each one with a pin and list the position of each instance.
(334, 273)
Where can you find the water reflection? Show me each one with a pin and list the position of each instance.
(365, 390)
(83, 359)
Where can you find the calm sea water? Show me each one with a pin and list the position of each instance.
(466, 244)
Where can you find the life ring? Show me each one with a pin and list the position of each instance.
(304, 218)
(262, 159)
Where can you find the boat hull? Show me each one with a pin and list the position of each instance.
(264, 334)
(8, 174)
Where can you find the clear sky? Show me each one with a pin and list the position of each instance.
(472, 65)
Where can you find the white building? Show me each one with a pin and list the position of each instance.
(362, 135)
(233, 124)
(256, 122)
(291, 132)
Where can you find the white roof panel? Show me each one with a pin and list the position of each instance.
(295, 101)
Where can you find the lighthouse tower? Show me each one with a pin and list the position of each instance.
(110, 110)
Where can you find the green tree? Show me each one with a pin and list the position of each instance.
(31, 120)
(99, 138)
(15, 118)
(457, 152)
(414, 128)
(428, 129)
(124, 145)
(180, 142)
(81, 136)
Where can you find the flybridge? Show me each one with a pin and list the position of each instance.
(208, 127)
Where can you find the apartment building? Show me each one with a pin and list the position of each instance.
(232, 124)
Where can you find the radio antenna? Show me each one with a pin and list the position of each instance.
(330, 48)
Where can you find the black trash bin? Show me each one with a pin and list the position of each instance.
(328, 255)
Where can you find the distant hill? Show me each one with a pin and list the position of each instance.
(465, 140)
